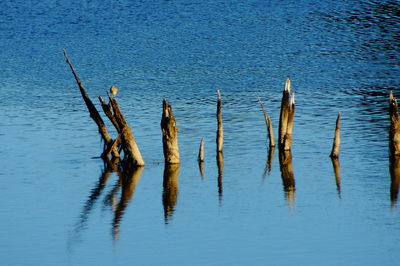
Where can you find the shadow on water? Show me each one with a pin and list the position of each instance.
(336, 170)
(129, 182)
(170, 190)
(220, 164)
(394, 165)
(268, 164)
(289, 186)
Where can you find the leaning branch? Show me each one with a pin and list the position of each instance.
(94, 114)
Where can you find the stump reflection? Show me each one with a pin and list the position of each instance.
(336, 170)
(285, 161)
(170, 190)
(128, 183)
(395, 179)
(268, 164)
(220, 164)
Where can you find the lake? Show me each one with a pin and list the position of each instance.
(61, 205)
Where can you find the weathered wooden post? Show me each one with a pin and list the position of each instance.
(94, 114)
(336, 140)
(220, 129)
(169, 135)
(286, 118)
(170, 190)
(268, 124)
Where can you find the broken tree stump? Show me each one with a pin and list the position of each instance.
(169, 135)
(220, 128)
(394, 133)
(268, 124)
(94, 114)
(286, 118)
(131, 150)
(336, 140)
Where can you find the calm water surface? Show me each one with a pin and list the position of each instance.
(61, 206)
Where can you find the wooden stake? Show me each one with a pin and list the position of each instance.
(170, 135)
(394, 134)
(336, 140)
(220, 129)
(94, 114)
(268, 124)
(131, 150)
(201, 151)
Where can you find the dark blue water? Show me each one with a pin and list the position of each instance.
(61, 206)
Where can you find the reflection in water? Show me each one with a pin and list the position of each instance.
(129, 182)
(127, 179)
(220, 163)
(336, 169)
(285, 161)
(109, 167)
(268, 165)
(201, 169)
(395, 179)
(170, 192)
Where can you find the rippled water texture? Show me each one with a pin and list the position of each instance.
(60, 205)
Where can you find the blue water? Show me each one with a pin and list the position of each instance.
(60, 206)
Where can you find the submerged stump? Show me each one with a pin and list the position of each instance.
(220, 128)
(129, 145)
(394, 134)
(286, 118)
(336, 140)
(169, 135)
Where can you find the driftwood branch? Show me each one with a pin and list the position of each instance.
(94, 114)
(268, 124)
(169, 135)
